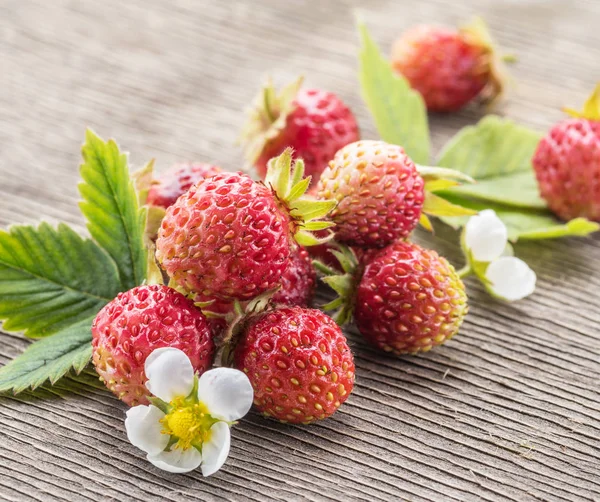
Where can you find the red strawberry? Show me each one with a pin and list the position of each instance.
(405, 299)
(129, 328)
(315, 123)
(298, 362)
(567, 164)
(298, 281)
(177, 180)
(230, 237)
(379, 192)
(449, 68)
(297, 287)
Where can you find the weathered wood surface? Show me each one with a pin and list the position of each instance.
(509, 410)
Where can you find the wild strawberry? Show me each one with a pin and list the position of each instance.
(379, 192)
(177, 180)
(298, 280)
(298, 362)
(136, 322)
(297, 285)
(567, 164)
(230, 237)
(405, 299)
(449, 68)
(315, 123)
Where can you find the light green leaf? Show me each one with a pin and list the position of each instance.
(437, 206)
(497, 153)
(398, 111)
(142, 181)
(518, 189)
(115, 219)
(525, 223)
(52, 278)
(49, 359)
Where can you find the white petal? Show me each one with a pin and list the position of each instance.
(227, 393)
(170, 373)
(486, 236)
(216, 450)
(511, 278)
(144, 429)
(177, 460)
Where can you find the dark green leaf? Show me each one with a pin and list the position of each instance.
(49, 359)
(51, 278)
(115, 219)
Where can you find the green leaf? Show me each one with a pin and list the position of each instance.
(525, 223)
(518, 190)
(52, 278)
(49, 359)
(497, 153)
(115, 219)
(398, 111)
(437, 206)
(142, 181)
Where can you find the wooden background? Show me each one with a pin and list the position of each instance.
(509, 410)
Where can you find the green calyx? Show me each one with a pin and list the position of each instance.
(236, 320)
(286, 178)
(477, 33)
(268, 116)
(441, 178)
(591, 108)
(344, 284)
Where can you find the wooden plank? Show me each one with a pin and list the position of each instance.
(509, 410)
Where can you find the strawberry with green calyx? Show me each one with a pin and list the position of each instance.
(567, 163)
(381, 194)
(298, 362)
(404, 298)
(450, 68)
(230, 237)
(296, 358)
(315, 123)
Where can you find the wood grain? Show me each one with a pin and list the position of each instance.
(509, 410)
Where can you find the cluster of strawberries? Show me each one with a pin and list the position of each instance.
(238, 252)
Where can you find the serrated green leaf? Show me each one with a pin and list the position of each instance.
(398, 111)
(525, 223)
(52, 278)
(497, 153)
(49, 359)
(115, 219)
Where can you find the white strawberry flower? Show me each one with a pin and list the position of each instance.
(485, 236)
(187, 424)
(510, 278)
(489, 256)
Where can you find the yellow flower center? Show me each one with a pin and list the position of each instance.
(189, 423)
